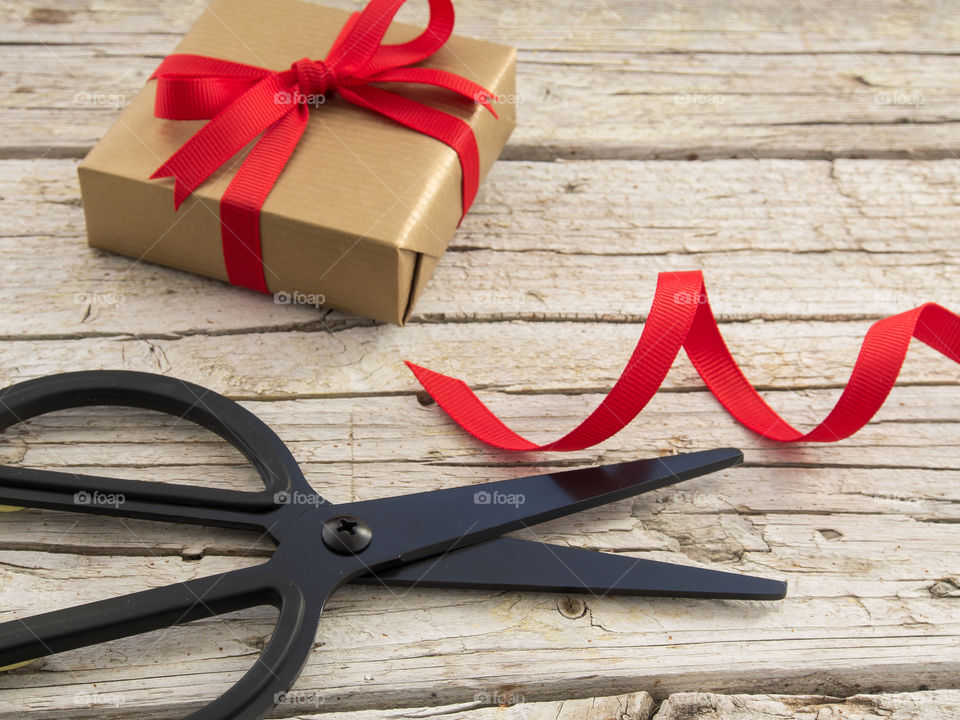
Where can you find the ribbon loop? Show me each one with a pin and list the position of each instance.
(244, 102)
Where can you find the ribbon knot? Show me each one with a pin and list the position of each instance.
(315, 77)
(245, 102)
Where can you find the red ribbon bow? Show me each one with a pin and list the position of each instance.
(246, 101)
(681, 318)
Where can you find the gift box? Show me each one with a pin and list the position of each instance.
(358, 215)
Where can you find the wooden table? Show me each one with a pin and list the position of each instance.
(802, 154)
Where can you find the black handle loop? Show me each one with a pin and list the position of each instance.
(262, 687)
(296, 589)
(245, 431)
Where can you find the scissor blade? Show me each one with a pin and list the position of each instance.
(514, 564)
(407, 528)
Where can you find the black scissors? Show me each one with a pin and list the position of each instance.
(443, 538)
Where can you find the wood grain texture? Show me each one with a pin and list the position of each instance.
(633, 706)
(538, 304)
(870, 566)
(579, 241)
(933, 705)
(701, 25)
(616, 79)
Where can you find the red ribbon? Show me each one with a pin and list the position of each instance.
(681, 317)
(245, 102)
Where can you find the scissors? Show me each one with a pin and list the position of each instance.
(443, 538)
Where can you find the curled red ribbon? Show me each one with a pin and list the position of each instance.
(245, 102)
(681, 317)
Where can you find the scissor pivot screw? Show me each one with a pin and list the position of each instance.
(346, 534)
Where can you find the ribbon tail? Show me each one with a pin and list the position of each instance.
(243, 200)
(448, 129)
(468, 411)
(681, 315)
(874, 374)
(225, 135)
(667, 325)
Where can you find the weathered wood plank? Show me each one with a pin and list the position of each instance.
(530, 285)
(872, 577)
(485, 285)
(752, 26)
(932, 705)
(872, 544)
(577, 357)
(614, 80)
(633, 706)
(626, 106)
(581, 230)
(831, 500)
(398, 429)
(609, 207)
(898, 470)
(627, 116)
(379, 649)
(904, 465)
(809, 251)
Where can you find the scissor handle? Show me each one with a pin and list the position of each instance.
(261, 688)
(239, 427)
(296, 590)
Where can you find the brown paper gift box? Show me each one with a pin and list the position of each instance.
(364, 208)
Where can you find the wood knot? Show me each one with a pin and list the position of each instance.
(948, 587)
(571, 607)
